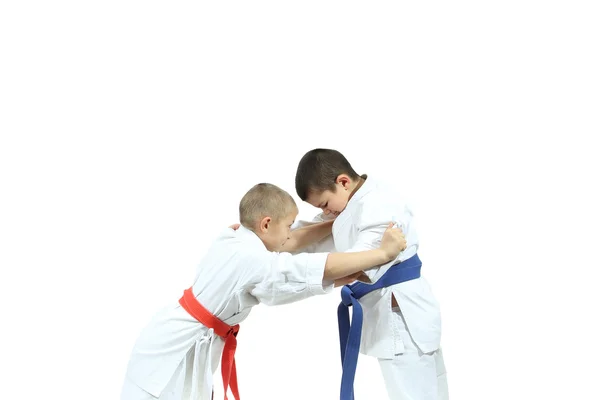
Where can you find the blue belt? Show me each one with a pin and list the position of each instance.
(350, 334)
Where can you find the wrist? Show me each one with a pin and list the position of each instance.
(385, 256)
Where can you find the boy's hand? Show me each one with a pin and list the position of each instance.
(393, 241)
(235, 227)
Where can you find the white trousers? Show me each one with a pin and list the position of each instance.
(414, 375)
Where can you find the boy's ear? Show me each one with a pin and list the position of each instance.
(344, 180)
(264, 223)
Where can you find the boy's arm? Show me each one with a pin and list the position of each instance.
(368, 238)
(303, 237)
(285, 278)
(359, 276)
(340, 265)
(325, 245)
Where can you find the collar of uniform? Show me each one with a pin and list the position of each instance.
(363, 190)
(249, 236)
(346, 214)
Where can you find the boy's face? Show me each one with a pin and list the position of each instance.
(331, 202)
(277, 233)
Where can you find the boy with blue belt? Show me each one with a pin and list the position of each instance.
(396, 317)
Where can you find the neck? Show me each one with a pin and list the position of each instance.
(356, 185)
(263, 239)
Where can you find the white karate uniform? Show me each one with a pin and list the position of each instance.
(406, 340)
(175, 356)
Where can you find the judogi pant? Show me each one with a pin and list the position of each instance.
(414, 375)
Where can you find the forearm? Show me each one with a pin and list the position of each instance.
(303, 237)
(359, 276)
(340, 265)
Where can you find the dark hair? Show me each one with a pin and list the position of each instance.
(318, 169)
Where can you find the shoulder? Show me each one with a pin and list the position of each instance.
(377, 207)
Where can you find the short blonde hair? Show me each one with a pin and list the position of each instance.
(265, 200)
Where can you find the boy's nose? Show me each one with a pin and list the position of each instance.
(326, 211)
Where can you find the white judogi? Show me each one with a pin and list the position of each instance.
(406, 340)
(175, 356)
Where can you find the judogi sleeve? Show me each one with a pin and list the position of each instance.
(288, 278)
(371, 222)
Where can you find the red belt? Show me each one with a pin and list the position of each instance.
(227, 332)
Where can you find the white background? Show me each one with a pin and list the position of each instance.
(131, 129)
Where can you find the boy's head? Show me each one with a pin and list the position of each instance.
(325, 179)
(269, 212)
